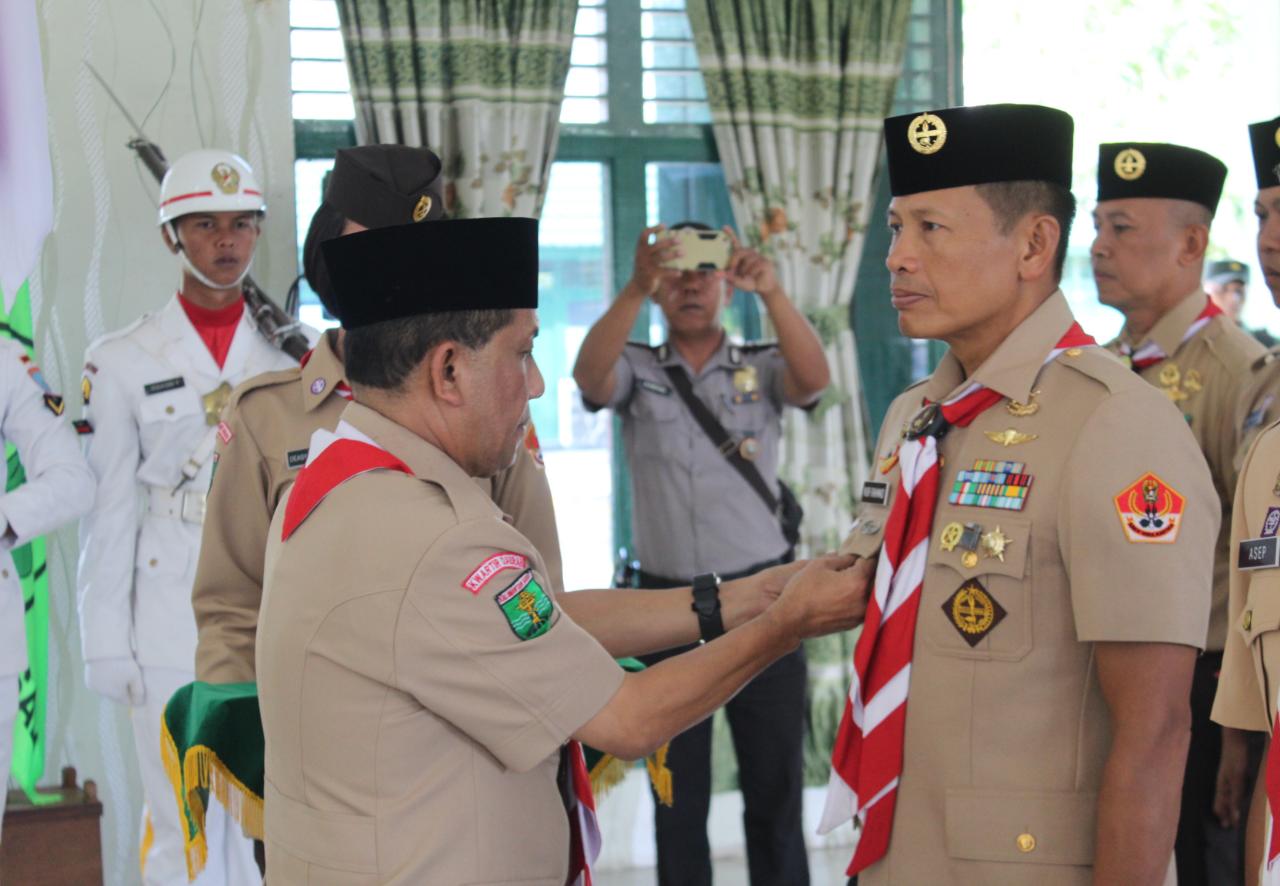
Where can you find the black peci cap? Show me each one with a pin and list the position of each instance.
(1265, 137)
(1226, 270)
(1150, 169)
(472, 264)
(383, 185)
(978, 145)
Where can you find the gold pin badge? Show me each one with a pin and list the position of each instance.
(969, 559)
(995, 543)
(1130, 164)
(927, 134)
(1170, 375)
(950, 536)
(1009, 437)
(745, 380)
(424, 206)
(1074, 352)
(1192, 381)
(1026, 843)
(1022, 410)
(225, 177)
(1275, 490)
(214, 402)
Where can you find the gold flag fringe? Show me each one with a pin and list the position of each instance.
(201, 769)
(609, 771)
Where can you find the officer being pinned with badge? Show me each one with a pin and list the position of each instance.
(154, 392)
(1044, 526)
(701, 421)
(1247, 691)
(1155, 205)
(270, 420)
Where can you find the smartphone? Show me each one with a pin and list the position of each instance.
(703, 250)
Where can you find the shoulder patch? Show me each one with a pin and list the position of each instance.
(1150, 510)
(54, 404)
(82, 426)
(490, 567)
(526, 606)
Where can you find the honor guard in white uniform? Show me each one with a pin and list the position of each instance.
(153, 394)
(58, 489)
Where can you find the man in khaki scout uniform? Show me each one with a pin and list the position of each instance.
(1155, 205)
(1044, 528)
(422, 692)
(1246, 696)
(270, 419)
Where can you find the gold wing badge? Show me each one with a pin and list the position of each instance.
(1009, 437)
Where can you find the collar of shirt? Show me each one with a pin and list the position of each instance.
(1168, 331)
(727, 356)
(322, 373)
(1013, 367)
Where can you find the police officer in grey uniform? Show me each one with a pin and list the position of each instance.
(696, 514)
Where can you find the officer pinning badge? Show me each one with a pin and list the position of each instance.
(318, 386)
(1130, 164)
(745, 380)
(1010, 437)
(1022, 410)
(296, 458)
(422, 208)
(875, 493)
(169, 384)
(527, 607)
(86, 388)
(1258, 553)
(992, 484)
(973, 611)
(82, 427)
(224, 175)
(1150, 510)
(654, 388)
(54, 404)
(491, 566)
(927, 134)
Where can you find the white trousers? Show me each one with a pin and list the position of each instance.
(8, 716)
(164, 859)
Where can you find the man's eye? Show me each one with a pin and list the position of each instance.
(931, 226)
(895, 228)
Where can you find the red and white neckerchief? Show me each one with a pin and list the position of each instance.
(866, 760)
(584, 830)
(334, 458)
(1151, 353)
(342, 389)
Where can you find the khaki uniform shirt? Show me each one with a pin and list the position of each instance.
(1007, 731)
(1257, 407)
(413, 736)
(1203, 378)
(693, 512)
(269, 422)
(1246, 696)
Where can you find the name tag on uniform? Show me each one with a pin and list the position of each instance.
(169, 384)
(654, 388)
(296, 458)
(875, 493)
(752, 397)
(1259, 553)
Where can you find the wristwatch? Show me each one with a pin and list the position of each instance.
(706, 603)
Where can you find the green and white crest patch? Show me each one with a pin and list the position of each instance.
(526, 606)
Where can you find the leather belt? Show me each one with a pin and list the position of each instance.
(186, 505)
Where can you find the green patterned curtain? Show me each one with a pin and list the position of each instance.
(798, 90)
(478, 81)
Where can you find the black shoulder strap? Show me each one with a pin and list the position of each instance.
(720, 438)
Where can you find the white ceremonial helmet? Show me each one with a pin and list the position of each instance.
(208, 180)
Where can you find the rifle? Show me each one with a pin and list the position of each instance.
(278, 327)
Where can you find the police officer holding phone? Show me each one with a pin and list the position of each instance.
(701, 419)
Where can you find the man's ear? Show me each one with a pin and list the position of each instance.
(443, 366)
(1040, 247)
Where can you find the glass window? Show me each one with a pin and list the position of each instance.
(309, 179)
(321, 87)
(673, 88)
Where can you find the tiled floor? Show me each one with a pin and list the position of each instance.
(826, 868)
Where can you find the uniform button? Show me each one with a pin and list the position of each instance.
(1248, 619)
(154, 562)
(168, 410)
(1026, 843)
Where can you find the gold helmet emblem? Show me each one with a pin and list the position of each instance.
(424, 206)
(226, 178)
(927, 134)
(1130, 164)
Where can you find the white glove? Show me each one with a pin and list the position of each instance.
(119, 679)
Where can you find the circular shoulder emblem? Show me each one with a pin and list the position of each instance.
(1130, 164)
(424, 206)
(927, 134)
(226, 178)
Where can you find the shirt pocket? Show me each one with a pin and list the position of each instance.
(658, 432)
(743, 419)
(980, 611)
(1259, 623)
(171, 406)
(1049, 827)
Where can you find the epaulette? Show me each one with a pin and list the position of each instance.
(264, 380)
(756, 347)
(118, 334)
(660, 352)
(1266, 359)
(1102, 366)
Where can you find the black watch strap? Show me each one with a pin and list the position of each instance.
(706, 603)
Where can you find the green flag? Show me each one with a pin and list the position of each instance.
(29, 560)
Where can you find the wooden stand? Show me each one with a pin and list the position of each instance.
(58, 844)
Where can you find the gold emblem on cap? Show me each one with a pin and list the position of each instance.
(927, 134)
(224, 175)
(424, 206)
(1130, 164)
(1278, 136)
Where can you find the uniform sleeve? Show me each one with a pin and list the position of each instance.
(109, 533)
(227, 592)
(624, 377)
(493, 654)
(1227, 431)
(524, 495)
(1126, 586)
(59, 484)
(773, 371)
(1239, 702)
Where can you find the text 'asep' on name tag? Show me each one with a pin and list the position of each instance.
(1259, 553)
